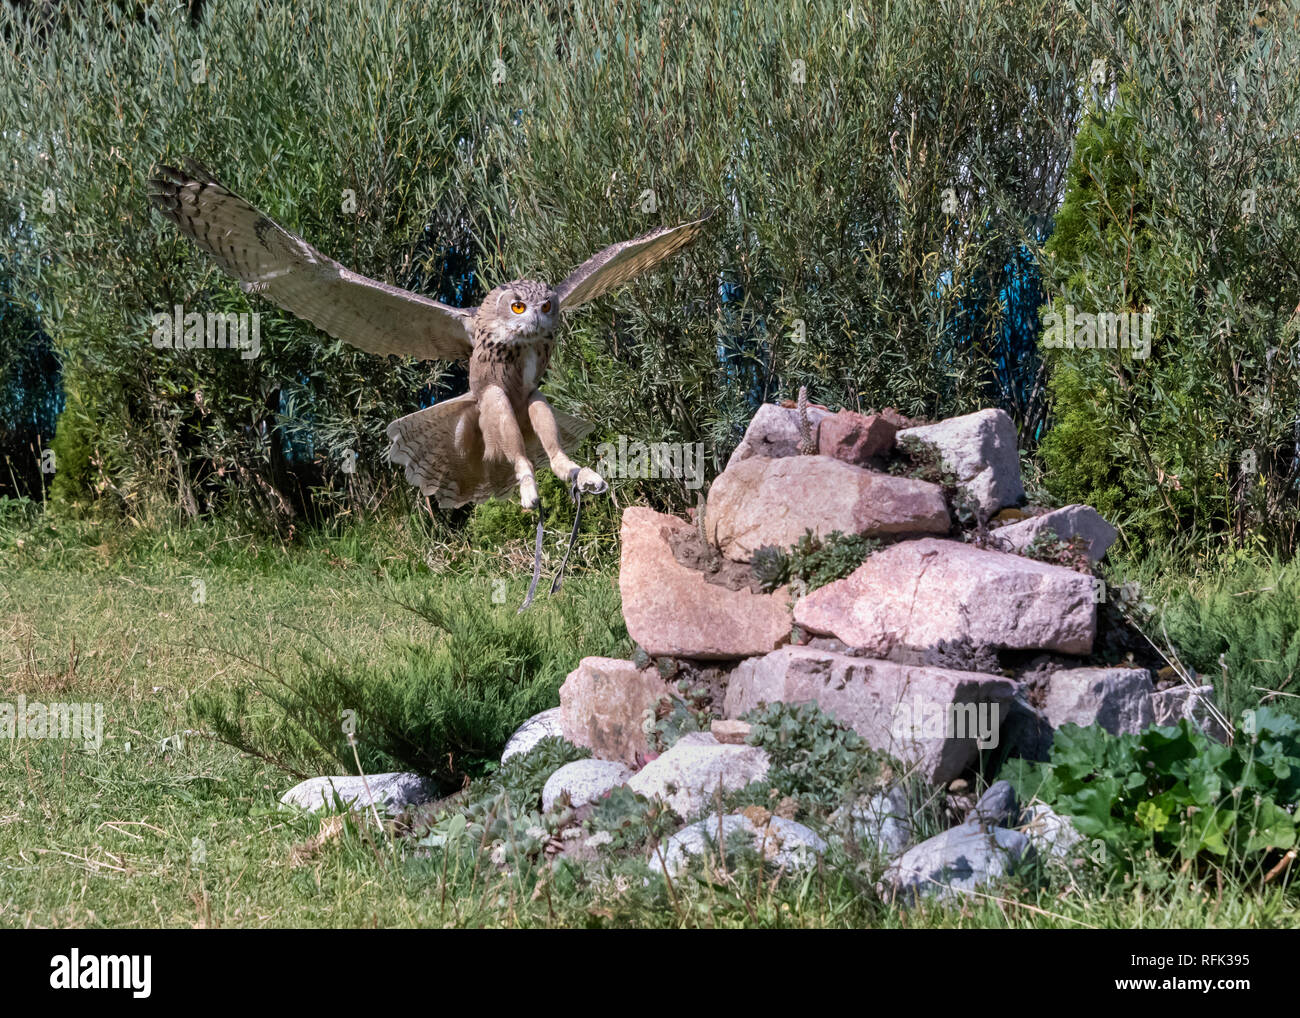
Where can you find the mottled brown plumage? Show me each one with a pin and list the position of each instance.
(460, 450)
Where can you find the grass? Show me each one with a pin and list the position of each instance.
(155, 830)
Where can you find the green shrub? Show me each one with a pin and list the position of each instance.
(1239, 628)
(634, 822)
(480, 142)
(818, 561)
(1178, 202)
(1175, 792)
(442, 708)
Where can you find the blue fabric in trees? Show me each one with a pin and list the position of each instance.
(31, 395)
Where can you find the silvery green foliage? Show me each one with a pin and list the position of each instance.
(813, 758)
(866, 202)
(770, 566)
(500, 813)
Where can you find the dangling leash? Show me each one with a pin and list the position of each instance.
(537, 563)
(576, 492)
(573, 537)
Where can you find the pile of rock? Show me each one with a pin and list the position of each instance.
(916, 650)
(947, 647)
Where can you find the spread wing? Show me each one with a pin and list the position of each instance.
(619, 263)
(283, 267)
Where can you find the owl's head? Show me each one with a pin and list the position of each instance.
(521, 310)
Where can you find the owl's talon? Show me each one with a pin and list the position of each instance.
(587, 481)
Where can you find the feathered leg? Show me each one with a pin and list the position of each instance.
(503, 440)
(548, 431)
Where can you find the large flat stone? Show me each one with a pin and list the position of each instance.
(980, 450)
(776, 501)
(602, 706)
(906, 711)
(915, 594)
(673, 611)
(584, 781)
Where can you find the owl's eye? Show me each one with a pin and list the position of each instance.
(546, 308)
(518, 307)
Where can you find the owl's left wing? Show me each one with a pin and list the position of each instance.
(621, 262)
(364, 312)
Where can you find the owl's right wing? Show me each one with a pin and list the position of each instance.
(364, 312)
(621, 262)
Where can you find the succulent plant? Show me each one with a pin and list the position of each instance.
(667, 666)
(771, 567)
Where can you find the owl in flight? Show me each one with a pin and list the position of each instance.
(461, 450)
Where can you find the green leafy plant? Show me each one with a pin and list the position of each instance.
(814, 758)
(500, 813)
(1048, 547)
(674, 716)
(442, 706)
(633, 822)
(1175, 792)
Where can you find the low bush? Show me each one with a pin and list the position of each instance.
(443, 708)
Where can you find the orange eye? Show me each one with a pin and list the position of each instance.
(518, 307)
(546, 308)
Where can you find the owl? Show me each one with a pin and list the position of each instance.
(463, 450)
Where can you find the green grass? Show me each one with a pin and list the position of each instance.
(1234, 620)
(136, 833)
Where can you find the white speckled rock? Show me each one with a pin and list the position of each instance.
(980, 450)
(531, 732)
(585, 781)
(690, 773)
(783, 843)
(671, 610)
(1051, 834)
(391, 792)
